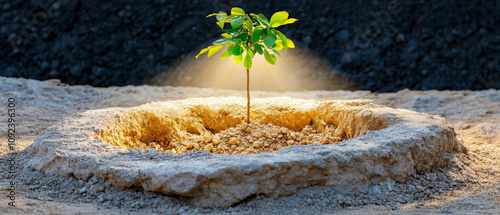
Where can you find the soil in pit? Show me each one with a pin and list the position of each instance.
(255, 138)
(248, 139)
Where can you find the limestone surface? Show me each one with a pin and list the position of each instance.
(384, 143)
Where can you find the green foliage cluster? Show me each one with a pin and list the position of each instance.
(250, 34)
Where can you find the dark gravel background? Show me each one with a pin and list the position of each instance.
(378, 45)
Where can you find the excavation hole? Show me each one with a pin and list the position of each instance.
(218, 125)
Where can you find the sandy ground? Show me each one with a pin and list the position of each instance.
(475, 115)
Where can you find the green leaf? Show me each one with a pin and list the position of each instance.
(214, 50)
(249, 50)
(283, 40)
(278, 18)
(237, 11)
(262, 20)
(221, 24)
(222, 16)
(203, 51)
(236, 49)
(256, 35)
(223, 41)
(237, 58)
(270, 41)
(227, 53)
(290, 43)
(259, 48)
(249, 25)
(274, 50)
(238, 41)
(258, 27)
(290, 21)
(247, 63)
(226, 35)
(212, 14)
(271, 58)
(242, 36)
(279, 45)
(232, 30)
(236, 22)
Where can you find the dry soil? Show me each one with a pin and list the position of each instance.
(470, 185)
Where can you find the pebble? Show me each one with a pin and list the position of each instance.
(419, 188)
(82, 190)
(216, 139)
(309, 201)
(257, 135)
(257, 144)
(233, 141)
(96, 188)
(209, 147)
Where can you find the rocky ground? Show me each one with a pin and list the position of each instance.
(378, 45)
(470, 185)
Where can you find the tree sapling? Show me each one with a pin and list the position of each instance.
(250, 34)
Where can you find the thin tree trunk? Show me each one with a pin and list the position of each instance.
(248, 96)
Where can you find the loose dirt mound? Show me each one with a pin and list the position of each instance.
(382, 143)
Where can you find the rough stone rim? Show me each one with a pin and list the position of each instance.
(414, 142)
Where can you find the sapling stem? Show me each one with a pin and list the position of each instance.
(248, 96)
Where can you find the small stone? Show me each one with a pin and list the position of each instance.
(257, 144)
(209, 147)
(289, 142)
(216, 140)
(96, 188)
(152, 152)
(376, 191)
(208, 140)
(419, 188)
(280, 136)
(283, 130)
(234, 141)
(249, 130)
(82, 190)
(274, 135)
(257, 135)
(309, 201)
